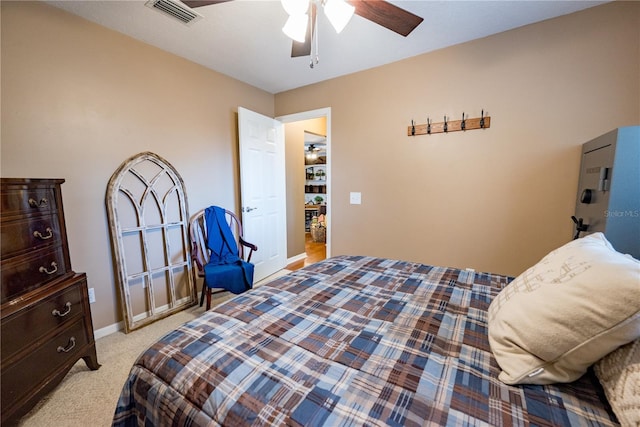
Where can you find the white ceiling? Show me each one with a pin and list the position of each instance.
(243, 39)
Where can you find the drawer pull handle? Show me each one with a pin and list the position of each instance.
(41, 204)
(43, 269)
(41, 236)
(69, 347)
(67, 311)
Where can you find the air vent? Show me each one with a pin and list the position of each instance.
(176, 10)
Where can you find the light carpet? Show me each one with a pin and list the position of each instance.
(86, 397)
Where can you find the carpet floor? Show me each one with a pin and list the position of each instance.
(88, 398)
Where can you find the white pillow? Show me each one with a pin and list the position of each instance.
(579, 303)
(619, 374)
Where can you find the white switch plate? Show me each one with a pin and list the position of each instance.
(92, 295)
(355, 198)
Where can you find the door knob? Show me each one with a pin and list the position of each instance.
(248, 209)
(585, 197)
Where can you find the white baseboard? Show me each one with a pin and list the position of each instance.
(108, 330)
(296, 258)
(112, 329)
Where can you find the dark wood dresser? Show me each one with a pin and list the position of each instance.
(46, 319)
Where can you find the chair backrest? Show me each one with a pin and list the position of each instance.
(198, 231)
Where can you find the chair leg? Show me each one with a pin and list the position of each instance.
(194, 274)
(204, 287)
(208, 298)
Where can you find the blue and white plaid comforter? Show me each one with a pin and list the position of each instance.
(351, 341)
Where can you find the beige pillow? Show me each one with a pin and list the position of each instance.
(579, 303)
(619, 374)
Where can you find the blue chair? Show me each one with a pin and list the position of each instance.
(218, 253)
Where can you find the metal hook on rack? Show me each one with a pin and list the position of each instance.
(482, 119)
(446, 126)
(428, 126)
(463, 123)
(413, 128)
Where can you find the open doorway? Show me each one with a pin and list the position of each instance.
(307, 153)
(315, 193)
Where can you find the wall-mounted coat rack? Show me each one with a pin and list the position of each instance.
(482, 122)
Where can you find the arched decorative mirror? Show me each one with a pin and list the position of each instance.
(148, 222)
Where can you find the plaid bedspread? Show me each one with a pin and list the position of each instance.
(351, 341)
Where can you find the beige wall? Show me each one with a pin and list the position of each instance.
(78, 100)
(495, 199)
(294, 142)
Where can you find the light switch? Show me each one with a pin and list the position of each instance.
(355, 198)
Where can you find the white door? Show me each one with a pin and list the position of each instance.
(263, 191)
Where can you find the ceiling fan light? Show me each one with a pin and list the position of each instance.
(296, 27)
(339, 13)
(295, 7)
(311, 154)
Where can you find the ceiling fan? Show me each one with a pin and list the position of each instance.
(379, 11)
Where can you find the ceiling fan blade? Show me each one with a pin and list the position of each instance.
(387, 15)
(304, 48)
(199, 3)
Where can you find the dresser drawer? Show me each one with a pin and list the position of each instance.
(22, 274)
(29, 233)
(38, 319)
(17, 200)
(31, 371)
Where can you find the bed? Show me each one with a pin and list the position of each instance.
(350, 341)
